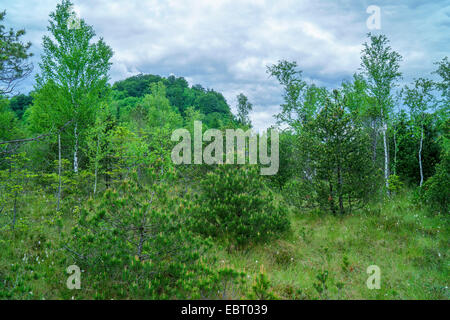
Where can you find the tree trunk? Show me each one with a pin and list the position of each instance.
(96, 165)
(374, 141)
(349, 203)
(75, 152)
(420, 156)
(59, 170)
(107, 173)
(395, 153)
(330, 198)
(386, 157)
(15, 210)
(341, 201)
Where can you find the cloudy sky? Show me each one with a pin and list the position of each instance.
(226, 45)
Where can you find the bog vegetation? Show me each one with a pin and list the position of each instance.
(86, 179)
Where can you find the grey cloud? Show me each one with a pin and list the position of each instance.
(226, 45)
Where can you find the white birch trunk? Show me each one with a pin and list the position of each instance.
(59, 170)
(75, 152)
(420, 156)
(386, 157)
(96, 166)
(395, 153)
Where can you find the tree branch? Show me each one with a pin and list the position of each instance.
(38, 137)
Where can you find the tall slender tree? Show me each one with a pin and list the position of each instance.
(419, 99)
(301, 100)
(362, 106)
(291, 78)
(380, 65)
(75, 66)
(244, 107)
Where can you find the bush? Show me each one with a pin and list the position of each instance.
(235, 205)
(395, 185)
(299, 193)
(436, 190)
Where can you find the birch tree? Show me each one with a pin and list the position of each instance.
(380, 65)
(77, 67)
(98, 143)
(419, 99)
(243, 109)
(301, 100)
(443, 71)
(363, 106)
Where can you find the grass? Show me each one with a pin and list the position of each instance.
(410, 247)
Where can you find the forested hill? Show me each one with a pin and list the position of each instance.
(129, 92)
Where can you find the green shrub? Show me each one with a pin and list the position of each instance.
(321, 284)
(299, 193)
(135, 235)
(261, 288)
(436, 190)
(235, 205)
(395, 184)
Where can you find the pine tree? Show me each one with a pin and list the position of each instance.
(236, 206)
(339, 149)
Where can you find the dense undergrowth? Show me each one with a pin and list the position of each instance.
(323, 257)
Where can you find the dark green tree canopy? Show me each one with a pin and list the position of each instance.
(178, 92)
(20, 103)
(14, 54)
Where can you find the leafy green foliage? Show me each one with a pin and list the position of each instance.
(244, 107)
(436, 190)
(13, 178)
(395, 185)
(380, 66)
(75, 70)
(443, 71)
(20, 103)
(300, 99)
(9, 127)
(209, 102)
